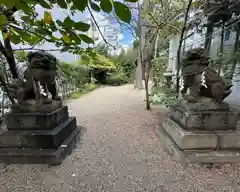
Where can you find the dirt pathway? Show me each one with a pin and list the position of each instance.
(118, 152)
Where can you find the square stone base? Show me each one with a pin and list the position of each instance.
(40, 139)
(36, 120)
(41, 156)
(205, 119)
(199, 147)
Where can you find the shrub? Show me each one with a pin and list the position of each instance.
(90, 86)
(163, 96)
(117, 78)
(75, 95)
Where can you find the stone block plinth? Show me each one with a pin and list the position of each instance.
(41, 156)
(194, 146)
(36, 121)
(205, 119)
(39, 138)
(190, 139)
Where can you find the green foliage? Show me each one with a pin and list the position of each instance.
(87, 88)
(117, 78)
(125, 63)
(226, 62)
(90, 86)
(98, 62)
(75, 95)
(159, 67)
(163, 96)
(75, 74)
(30, 29)
(125, 66)
(122, 11)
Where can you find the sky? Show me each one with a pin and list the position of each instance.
(125, 37)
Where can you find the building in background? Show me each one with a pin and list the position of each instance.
(110, 32)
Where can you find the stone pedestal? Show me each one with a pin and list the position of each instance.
(38, 138)
(203, 136)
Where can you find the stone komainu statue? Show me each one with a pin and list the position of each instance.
(200, 79)
(39, 79)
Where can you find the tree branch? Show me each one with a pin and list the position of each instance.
(180, 44)
(164, 23)
(99, 28)
(36, 49)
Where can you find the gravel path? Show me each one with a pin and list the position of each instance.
(118, 152)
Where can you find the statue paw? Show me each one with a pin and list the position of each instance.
(46, 101)
(56, 97)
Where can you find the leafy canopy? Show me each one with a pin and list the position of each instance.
(30, 29)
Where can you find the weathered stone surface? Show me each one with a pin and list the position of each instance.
(42, 139)
(190, 139)
(196, 156)
(205, 120)
(229, 139)
(36, 121)
(36, 106)
(223, 156)
(41, 156)
(169, 145)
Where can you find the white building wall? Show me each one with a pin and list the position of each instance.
(197, 40)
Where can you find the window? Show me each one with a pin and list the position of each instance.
(227, 35)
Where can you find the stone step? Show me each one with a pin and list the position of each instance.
(36, 121)
(197, 155)
(41, 156)
(40, 139)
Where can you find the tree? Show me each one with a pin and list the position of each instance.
(180, 43)
(20, 24)
(162, 22)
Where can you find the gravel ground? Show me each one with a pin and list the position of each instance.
(118, 152)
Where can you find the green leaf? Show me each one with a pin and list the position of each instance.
(68, 22)
(66, 38)
(80, 4)
(47, 17)
(95, 7)
(9, 3)
(106, 5)
(82, 26)
(45, 4)
(76, 38)
(24, 7)
(14, 38)
(62, 4)
(132, 1)
(122, 12)
(86, 39)
(3, 20)
(25, 18)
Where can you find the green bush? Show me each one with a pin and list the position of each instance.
(75, 95)
(90, 86)
(163, 96)
(117, 78)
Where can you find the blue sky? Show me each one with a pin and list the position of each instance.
(59, 14)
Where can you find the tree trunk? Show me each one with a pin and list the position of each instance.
(236, 47)
(7, 51)
(147, 71)
(208, 37)
(180, 45)
(221, 47)
(138, 74)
